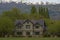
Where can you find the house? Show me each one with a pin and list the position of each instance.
(33, 28)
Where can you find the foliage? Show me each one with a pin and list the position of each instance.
(12, 14)
(33, 10)
(53, 27)
(44, 12)
(6, 25)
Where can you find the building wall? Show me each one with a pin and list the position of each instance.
(30, 29)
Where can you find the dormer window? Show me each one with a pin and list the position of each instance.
(19, 26)
(37, 26)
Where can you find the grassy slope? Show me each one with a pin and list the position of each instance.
(29, 38)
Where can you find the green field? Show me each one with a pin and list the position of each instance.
(29, 38)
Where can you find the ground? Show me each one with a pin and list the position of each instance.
(29, 38)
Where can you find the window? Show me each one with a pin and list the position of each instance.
(27, 33)
(37, 26)
(20, 26)
(27, 26)
(19, 33)
(36, 33)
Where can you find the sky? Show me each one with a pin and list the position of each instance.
(34, 1)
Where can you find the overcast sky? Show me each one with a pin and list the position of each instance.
(34, 1)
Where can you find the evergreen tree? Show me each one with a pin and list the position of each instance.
(43, 12)
(33, 10)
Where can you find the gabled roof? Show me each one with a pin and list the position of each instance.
(19, 22)
(41, 22)
(28, 21)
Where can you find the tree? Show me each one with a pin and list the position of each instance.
(47, 13)
(13, 14)
(6, 26)
(40, 10)
(33, 10)
(24, 16)
(43, 11)
(53, 27)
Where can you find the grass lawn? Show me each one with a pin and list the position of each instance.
(29, 38)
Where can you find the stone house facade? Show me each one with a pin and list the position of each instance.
(29, 27)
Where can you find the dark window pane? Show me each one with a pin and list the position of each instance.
(37, 33)
(36, 26)
(19, 26)
(27, 33)
(19, 33)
